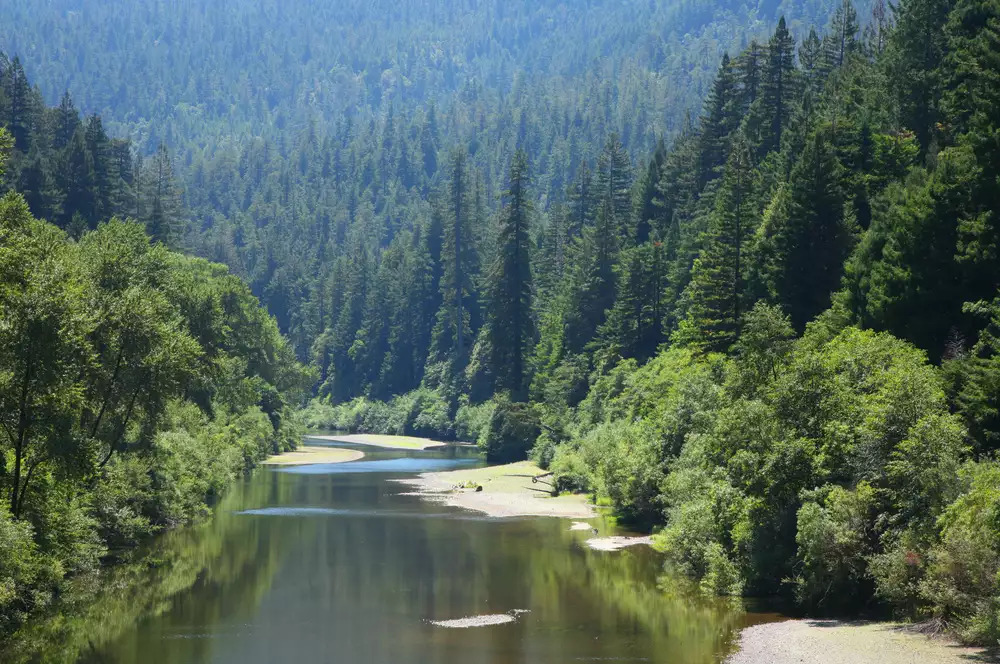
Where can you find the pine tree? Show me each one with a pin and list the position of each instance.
(749, 66)
(460, 266)
(589, 291)
(779, 88)
(160, 207)
(582, 202)
(67, 120)
(715, 300)
(646, 209)
(842, 39)
(914, 56)
(77, 180)
(20, 104)
(614, 183)
(878, 29)
(99, 148)
(721, 117)
(633, 328)
(811, 235)
(510, 328)
(811, 59)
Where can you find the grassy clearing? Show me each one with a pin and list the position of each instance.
(307, 455)
(388, 442)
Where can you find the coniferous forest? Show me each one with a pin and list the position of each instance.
(733, 270)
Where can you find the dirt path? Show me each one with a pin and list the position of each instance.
(836, 642)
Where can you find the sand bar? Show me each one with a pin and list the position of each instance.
(312, 454)
(837, 642)
(378, 440)
(507, 491)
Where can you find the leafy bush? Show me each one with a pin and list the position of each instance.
(511, 432)
(26, 577)
(963, 570)
(570, 471)
(627, 467)
(702, 514)
(834, 539)
(472, 421)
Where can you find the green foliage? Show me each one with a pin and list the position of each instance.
(963, 569)
(627, 468)
(511, 432)
(833, 540)
(135, 385)
(638, 336)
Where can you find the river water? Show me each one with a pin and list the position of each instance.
(333, 563)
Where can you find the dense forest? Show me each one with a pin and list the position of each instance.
(767, 328)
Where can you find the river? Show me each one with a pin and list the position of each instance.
(333, 563)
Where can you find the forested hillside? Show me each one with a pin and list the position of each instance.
(306, 128)
(766, 325)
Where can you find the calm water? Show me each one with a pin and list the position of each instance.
(333, 564)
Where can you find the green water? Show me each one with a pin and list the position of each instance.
(333, 564)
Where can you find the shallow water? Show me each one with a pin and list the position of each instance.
(331, 563)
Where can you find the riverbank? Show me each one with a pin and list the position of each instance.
(312, 454)
(507, 491)
(383, 441)
(839, 642)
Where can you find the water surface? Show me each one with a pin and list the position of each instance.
(331, 563)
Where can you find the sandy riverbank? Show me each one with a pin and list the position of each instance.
(310, 454)
(506, 491)
(387, 442)
(837, 642)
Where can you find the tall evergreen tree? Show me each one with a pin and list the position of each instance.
(914, 56)
(161, 202)
(582, 201)
(590, 282)
(715, 300)
(811, 59)
(842, 38)
(67, 119)
(779, 88)
(614, 183)
(720, 118)
(749, 68)
(510, 327)
(20, 111)
(811, 232)
(460, 266)
(633, 328)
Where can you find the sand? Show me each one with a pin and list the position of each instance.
(617, 543)
(507, 492)
(388, 442)
(307, 455)
(836, 642)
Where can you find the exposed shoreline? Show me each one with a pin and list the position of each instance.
(306, 455)
(507, 491)
(383, 441)
(843, 642)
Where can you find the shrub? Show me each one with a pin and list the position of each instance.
(834, 535)
(963, 571)
(26, 577)
(705, 515)
(570, 471)
(628, 468)
(471, 422)
(511, 432)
